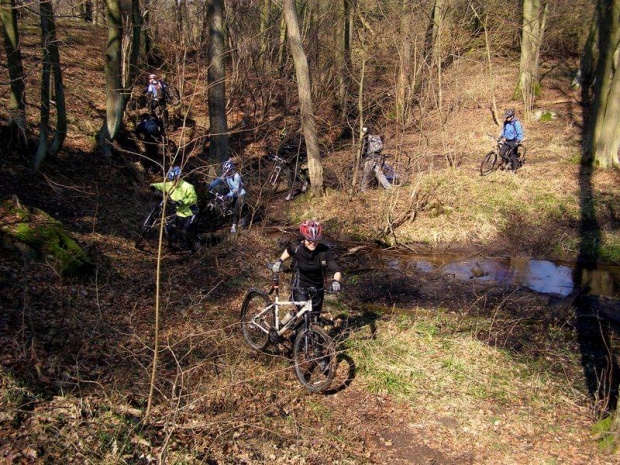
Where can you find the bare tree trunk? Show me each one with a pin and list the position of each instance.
(44, 123)
(589, 57)
(345, 62)
(265, 33)
(308, 123)
(360, 110)
(439, 10)
(405, 61)
(61, 111)
(136, 25)
(113, 76)
(87, 11)
(603, 136)
(314, 13)
(534, 18)
(217, 81)
(51, 63)
(17, 102)
(282, 41)
(146, 28)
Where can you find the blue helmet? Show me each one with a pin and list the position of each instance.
(228, 166)
(174, 173)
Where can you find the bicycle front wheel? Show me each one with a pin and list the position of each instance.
(257, 319)
(488, 164)
(314, 356)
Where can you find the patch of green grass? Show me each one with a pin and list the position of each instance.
(386, 382)
(574, 159)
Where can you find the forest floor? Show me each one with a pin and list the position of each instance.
(432, 369)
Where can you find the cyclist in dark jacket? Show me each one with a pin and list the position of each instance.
(312, 261)
(512, 135)
(151, 131)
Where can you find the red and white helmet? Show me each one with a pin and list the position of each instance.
(311, 230)
(152, 76)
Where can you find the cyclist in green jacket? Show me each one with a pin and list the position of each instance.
(183, 195)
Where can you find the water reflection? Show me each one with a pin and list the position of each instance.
(543, 276)
(538, 275)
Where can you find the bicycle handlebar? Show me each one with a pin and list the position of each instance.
(217, 196)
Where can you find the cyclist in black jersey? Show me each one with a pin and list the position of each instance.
(312, 261)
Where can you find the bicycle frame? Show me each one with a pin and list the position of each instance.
(306, 308)
(277, 169)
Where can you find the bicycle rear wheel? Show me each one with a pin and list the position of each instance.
(314, 357)
(148, 224)
(254, 317)
(489, 163)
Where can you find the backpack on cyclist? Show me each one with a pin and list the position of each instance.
(161, 90)
(374, 145)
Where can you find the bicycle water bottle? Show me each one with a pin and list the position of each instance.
(288, 317)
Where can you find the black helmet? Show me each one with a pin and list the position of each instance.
(509, 113)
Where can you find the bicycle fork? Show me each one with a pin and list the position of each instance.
(274, 175)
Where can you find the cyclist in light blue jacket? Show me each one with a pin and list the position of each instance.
(512, 135)
(231, 178)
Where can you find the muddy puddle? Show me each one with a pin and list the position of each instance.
(543, 276)
(537, 275)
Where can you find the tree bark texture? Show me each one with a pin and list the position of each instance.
(265, 33)
(136, 25)
(434, 43)
(282, 42)
(216, 77)
(44, 122)
(404, 62)
(308, 124)
(113, 76)
(345, 61)
(61, 111)
(589, 57)
(87, 11)
(51, 64)
(17, 101)
(534, 18)
(603, 136)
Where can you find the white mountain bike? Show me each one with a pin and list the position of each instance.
(314, 354)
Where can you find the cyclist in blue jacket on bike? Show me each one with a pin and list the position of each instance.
(511, 136)
(231, 178)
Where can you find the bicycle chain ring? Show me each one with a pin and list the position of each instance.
(274, 339)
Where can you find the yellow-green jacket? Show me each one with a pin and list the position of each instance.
(181, 192)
